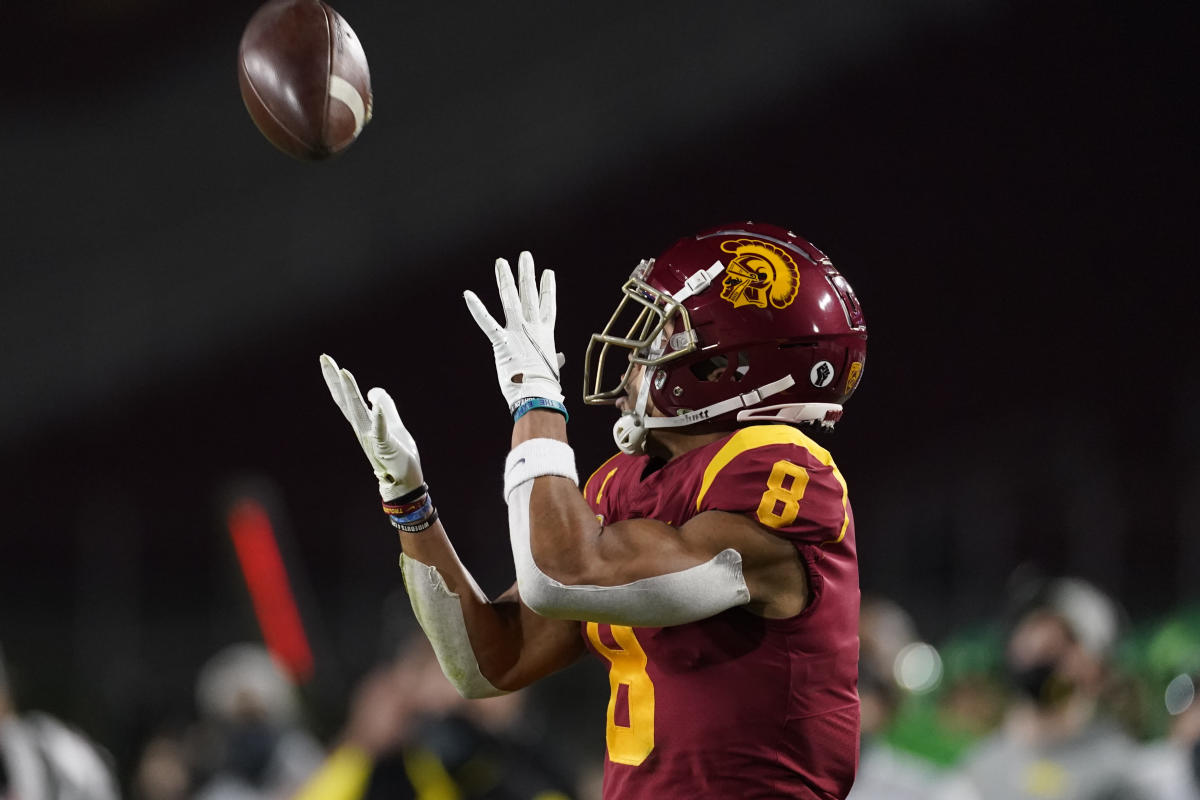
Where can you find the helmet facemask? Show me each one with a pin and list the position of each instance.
(645, 322)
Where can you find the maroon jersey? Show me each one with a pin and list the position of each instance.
(737, 705)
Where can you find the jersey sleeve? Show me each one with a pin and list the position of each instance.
(783, 479)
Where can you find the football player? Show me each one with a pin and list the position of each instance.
(711, 563)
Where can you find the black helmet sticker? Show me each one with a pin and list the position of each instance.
(821, 375)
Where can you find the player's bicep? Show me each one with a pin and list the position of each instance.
(744, 561)
(640, 548)
(636, 549)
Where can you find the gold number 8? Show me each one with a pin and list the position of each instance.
(627, 667)
(776, 494)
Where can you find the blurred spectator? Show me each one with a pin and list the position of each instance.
(388, 707)
(409, 734)
(1170, 769)
(163, 771)
(1055, 743)
(250, 744)
(42, 758)
(974, 695)
(885, 772)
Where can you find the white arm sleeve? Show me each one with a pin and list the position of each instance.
(438, 611)
(671, 599)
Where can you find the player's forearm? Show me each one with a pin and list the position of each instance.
(473, 637)
(512, 646)
(539, 424)
(563, 530)
(433, 547)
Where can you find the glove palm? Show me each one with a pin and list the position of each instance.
(526, 362)
(388, 445)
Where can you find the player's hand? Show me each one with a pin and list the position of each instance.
(389, 446)
(526, 362)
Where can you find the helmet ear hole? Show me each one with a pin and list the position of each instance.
(711, 369)
(716, 368)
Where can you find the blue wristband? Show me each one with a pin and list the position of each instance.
(529, 404)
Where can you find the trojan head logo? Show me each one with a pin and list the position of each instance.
(760, 274)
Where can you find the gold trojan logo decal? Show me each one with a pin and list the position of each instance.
(760, 274)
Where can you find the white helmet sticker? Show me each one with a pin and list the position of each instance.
(821, 375)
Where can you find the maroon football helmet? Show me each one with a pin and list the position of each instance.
(744, 323)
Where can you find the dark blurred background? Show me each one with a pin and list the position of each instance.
(1010, 187)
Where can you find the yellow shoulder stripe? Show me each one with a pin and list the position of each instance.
(761, 436)
(607, 478)
(597, 472)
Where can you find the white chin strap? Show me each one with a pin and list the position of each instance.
(629, 432)
(631, 429)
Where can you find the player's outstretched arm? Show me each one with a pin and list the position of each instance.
(569, 566)
(638, 572)
(485, 647)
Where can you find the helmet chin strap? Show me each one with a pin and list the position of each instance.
(630, 434)
(631, 429)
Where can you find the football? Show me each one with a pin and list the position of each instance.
(304, 78)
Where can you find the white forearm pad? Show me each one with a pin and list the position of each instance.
(672, 599)
(438, 611)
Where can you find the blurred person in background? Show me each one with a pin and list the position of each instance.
(972, 699)
(410, 735)
(250, 743)
(164, 768)
(884, 771)
(711, 564)
(1055, 742)
(41, 758)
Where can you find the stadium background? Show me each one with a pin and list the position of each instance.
(1010, 187)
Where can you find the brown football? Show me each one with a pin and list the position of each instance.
(304, 78)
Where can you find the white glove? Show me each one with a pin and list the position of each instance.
(526, 362)
(389, 446)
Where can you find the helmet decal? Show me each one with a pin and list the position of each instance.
(852, 376)
(759, 274)
(821, 375)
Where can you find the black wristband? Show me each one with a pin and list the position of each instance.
(409, 496)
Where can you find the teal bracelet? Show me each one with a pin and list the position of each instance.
(527, 405)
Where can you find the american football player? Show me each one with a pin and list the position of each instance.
(711, 563)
